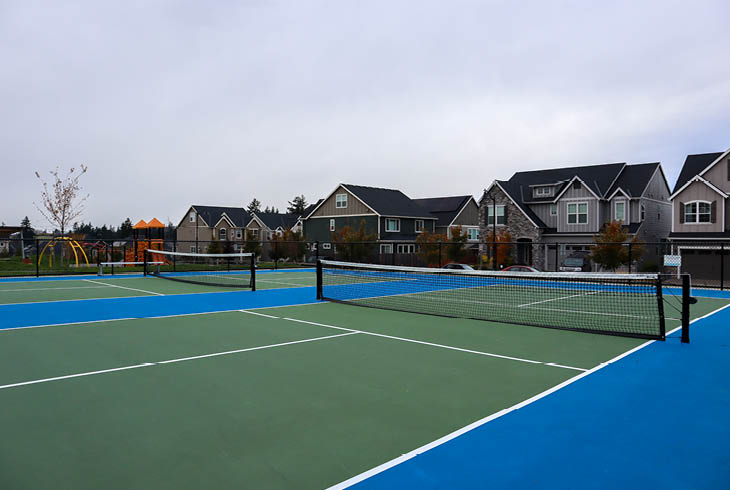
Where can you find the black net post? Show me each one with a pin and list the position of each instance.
(253, 272)
(685, 307)
(316, 250)
(660, 305)
(145, 263)
(319, 279)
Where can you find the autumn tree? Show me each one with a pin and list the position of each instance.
(61, 203)
(455, 250)
(612, 247)
(430, 252)
(354, 245)
(297, 205)
(288, 245)
(504, 248)
(252, 244)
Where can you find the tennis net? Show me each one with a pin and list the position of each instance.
(615, 304)
(235, 270)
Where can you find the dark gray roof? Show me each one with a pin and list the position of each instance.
(388, 202)
(275, 220)
(445, 209)
(693, 165)
(308, 210)
(211, 214)
(634, 179)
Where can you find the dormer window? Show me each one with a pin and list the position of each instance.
(544, 191)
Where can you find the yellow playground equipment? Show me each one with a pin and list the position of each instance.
(63, 240)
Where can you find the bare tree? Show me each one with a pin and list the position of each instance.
(61, 205)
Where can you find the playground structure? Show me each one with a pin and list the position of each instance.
(62, 240)
(147, 235)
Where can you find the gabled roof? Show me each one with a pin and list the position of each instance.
(212, 214)
(633, 179)
(388, 202)
(694, 165)
(275, 220)
(445, 209)
(598, 178)
(308, 210)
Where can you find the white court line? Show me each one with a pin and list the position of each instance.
(124, 287)
(49, 289)
(109, 320)
(257, 314)
(556, 299)
(448, 437)
(170, 361)
(403, 339)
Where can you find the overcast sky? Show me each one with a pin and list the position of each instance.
(178, 102)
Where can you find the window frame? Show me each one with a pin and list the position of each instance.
(469, 233)
(192, 216)
(406, 248)
(642, 212)
(543, 191)
(386, 248)
(622, 202)
(577, 213)
(332, 224)
(342, 201)
(392, 220)
(553, 209)
(222, 234)
(239, 233)
(697, 214)
(423, 226)
(490, 215)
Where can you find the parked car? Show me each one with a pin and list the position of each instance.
(520, 268)
(462, 267)
(577, 262)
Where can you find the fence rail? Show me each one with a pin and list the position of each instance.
(707, 263)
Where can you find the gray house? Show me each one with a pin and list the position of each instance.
(391, 216)
(562, 209)
(201, 224)
(451, 212)
(701, 213)
(263, 226)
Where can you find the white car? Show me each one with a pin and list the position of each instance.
(461, 267)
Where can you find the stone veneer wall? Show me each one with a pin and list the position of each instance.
(518, 225)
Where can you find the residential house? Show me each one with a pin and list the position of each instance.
(263, 226)
(701, 215)
(5, 238)
(452, 212)
(202, 224)
(391, 216)
(568, 206)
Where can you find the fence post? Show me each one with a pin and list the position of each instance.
(629, 257)
(494, 247)
(722, 266)
(37, 258)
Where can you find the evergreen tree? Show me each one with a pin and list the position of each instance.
(297, 205)
(254, 206)
(25, 224)
(125, 229)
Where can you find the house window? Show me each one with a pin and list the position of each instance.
(697, 212)
(332, 224)
(472, 233)
(577, 213)
(543, 191)
(222, 234)
(239, 233)
(553, 210)
(193, 249)
(341, 201)
(326, 246)
(255, 233)
(192, 216)
(500, 215)
(386, 248)
(406, 248)
(643, 212)
(620, 211)
(419, 226)
(392, 224)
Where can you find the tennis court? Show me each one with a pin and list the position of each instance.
(300, 394)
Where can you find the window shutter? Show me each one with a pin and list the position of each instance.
(681, 212)
(713, 212)
(505, 215)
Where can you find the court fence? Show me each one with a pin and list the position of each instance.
(707, 263)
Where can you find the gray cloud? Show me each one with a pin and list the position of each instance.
(171, 103)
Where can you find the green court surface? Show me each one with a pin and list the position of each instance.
(289, 397)
(90, 287)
